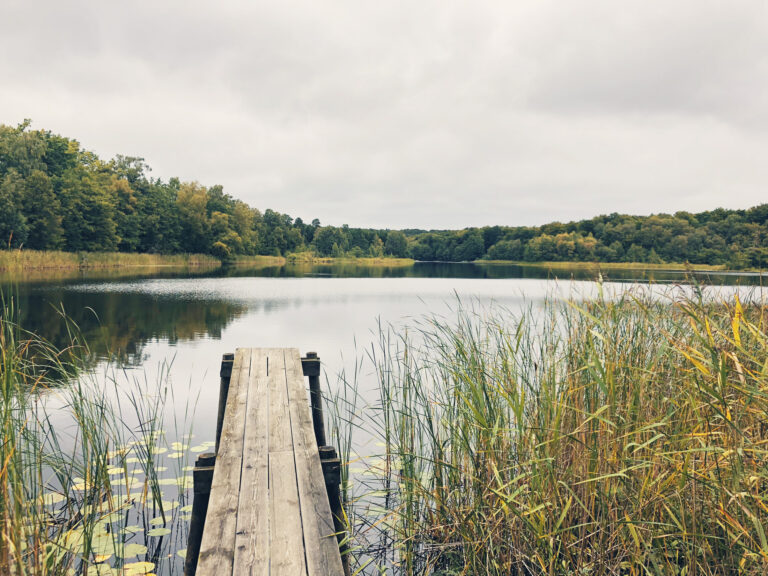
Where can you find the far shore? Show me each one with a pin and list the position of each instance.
(24, 261)
(668, 266)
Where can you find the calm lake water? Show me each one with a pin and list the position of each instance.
(187, 320)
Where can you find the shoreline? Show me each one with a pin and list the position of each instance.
(42, 260)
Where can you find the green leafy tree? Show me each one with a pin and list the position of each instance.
(13, 224)
(43, 212)
(396, 244)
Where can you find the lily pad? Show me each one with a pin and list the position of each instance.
(52, 498)
(182, 552)
(175, 455)
(158, 532)
(138, 568)
(131, 550)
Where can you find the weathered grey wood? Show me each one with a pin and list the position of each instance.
(218, 545)
(279, 417)
(225, 375)
(252, 540)
(202, 479)
(287, 549)
(268, 512)
(321, 546)
(310, 366)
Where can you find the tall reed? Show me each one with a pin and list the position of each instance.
(69, 490)
(622, 435)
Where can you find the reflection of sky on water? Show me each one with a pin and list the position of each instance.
(188, 323)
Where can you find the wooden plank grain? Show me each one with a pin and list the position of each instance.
(218, 544)
(321, 546)
(252, 542)
(279, 415)
(287, 542)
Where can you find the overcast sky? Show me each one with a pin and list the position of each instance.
(427, 114)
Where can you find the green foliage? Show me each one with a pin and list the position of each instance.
(55, 195)
(396, 244)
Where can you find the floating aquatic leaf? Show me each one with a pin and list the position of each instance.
(169, 505)
(137, 568)
(178, 446)
(103, 544)
(185, 509)
(114, 471)
(103, 570)
(52, 498)
(102, 557)
(159, 532)
(188, 468)
(157, 520)
(167, 481)
(133, 529)
(118, 452)
(198, 448)
(182, 552)
(131, 550)
(161, 468)
(132, 460)
(175, 455)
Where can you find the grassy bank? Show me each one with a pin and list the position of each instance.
(620, 436)
(311, 258)
(671, 266)
(256, 261)
(20, 260)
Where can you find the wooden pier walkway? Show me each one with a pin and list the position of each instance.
(265, 498)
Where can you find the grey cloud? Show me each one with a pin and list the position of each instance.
(426, 114)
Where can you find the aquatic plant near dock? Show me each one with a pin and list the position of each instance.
(622, 435)
(79, 486)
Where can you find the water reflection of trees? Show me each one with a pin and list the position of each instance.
(119, 325)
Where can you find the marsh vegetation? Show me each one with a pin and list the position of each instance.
(619, 435)
(90, 481)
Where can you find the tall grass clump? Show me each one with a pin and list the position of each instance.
(622, 435)
(20, 260)
(78, 488)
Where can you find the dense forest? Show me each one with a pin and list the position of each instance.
(55, 195)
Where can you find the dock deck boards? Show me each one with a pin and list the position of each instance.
(268, 512)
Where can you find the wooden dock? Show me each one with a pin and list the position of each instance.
(263, 503)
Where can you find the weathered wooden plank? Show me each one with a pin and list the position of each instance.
(321, 545)
(287, 548)
(279, 416)
(218, 545)
(252, 542)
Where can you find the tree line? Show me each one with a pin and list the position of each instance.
(55, 195)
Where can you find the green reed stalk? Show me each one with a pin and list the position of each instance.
(622, 435)
(61, 510)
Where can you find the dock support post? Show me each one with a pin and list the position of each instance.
(202, 479)
(226, 375)
(311, 367)
(332, 476)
